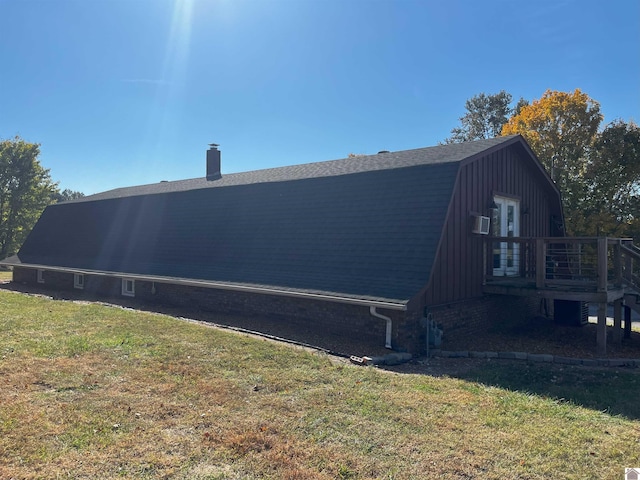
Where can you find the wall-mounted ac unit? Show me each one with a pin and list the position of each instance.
(481, 225)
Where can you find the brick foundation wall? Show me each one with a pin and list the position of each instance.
(408, 334)
(483, 314)
(25, 275)
(336, 318)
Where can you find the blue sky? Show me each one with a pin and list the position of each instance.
(128, 92)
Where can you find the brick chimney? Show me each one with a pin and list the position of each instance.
(213, 162)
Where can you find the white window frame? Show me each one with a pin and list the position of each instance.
(128, 287)
(509, 252)
(40, 275)
(78, 281)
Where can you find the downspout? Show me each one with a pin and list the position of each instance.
(373, 312)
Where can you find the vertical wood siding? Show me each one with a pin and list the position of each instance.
(458, 269)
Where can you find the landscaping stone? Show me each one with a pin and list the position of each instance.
(452, 354)
(513, 355)
(478, 354)
(618, 362)
(591, 362)
(397, 358)
(539, 357)
(567, 360)
(461, 354)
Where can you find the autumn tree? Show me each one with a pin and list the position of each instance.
(486, 114)
(25, 190)
(561, 128)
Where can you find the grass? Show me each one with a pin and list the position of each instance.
(614, 391)
(89, 391)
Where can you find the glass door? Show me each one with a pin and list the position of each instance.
(506, 223)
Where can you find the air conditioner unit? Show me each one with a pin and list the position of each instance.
(481, 225)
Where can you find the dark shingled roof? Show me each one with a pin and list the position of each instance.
(365, 227)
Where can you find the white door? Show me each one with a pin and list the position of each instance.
(506, 223)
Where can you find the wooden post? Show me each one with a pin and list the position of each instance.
(617, 263)
(541, 262)
(628, 268)
(617, 321)
(627, 321)
(601, 336)
(602, 264)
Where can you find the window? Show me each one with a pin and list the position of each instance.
(128, 287)
(40, 276)
(78, 281)
(506, 223)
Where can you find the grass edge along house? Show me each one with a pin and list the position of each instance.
(364, 246)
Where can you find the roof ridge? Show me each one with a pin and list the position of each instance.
(433, 155)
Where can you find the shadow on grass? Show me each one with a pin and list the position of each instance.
(614, 391)
(273, 327)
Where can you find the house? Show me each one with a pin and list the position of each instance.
(370, 245)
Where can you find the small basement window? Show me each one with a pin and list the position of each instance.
(78, 281)
(128, 287)
(40, 275)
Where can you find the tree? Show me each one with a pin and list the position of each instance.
(561, 128)
(519, 106)
(486, 114)
(25, 190)
(613, 177)
(66, 194)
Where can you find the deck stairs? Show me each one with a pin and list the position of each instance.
(632, 300)
(632, 297)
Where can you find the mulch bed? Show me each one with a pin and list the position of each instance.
(542, 335)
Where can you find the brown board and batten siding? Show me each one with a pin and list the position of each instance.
(458, 269)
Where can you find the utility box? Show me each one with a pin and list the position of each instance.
(570, 312)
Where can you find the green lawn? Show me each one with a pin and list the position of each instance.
(90, 391)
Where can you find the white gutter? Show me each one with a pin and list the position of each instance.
(228, 286)
(372, 310)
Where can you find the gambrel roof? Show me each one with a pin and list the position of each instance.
(364, 228)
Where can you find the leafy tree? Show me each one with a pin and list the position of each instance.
(66, 194)
(486, 114)
(613, 177)
(519, 106)
(25, 190)
(560, 128)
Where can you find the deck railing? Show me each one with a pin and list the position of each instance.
(572, 263)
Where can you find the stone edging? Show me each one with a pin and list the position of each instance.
(540, 358)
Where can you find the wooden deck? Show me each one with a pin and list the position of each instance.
(576, 292)
(587, 269)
